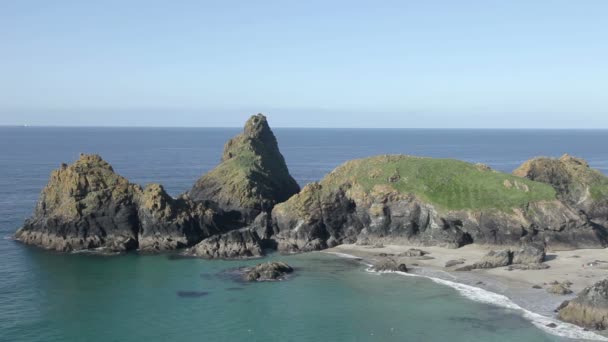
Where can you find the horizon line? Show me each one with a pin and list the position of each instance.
(25, 126)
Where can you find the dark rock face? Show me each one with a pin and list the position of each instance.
(167, 223)
(252, 176)
(84, 205)
(389, 265)
(236, 244)
(529, 254)
(87, 205)
(589, 309)
(321, 216)
(270, 271)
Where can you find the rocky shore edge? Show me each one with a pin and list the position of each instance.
(250, 203)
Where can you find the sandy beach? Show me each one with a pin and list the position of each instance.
(580, 267)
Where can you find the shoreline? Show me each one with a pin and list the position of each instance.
(509, 289)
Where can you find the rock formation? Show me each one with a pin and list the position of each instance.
(269, 271)
(412, 200)
(252, 176)
(389, 265)
(84, 205)
(527, 257)
(589, 308)
(577, 184)
(87, 205)
(236, 244)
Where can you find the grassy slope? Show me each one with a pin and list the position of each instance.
(447, 183)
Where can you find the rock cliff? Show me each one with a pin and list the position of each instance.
(412, 200)
(84, 205)
(87, 205)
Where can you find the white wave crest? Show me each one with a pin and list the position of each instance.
(487, 297)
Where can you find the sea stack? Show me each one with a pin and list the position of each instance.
(252, 176)
(84, 205)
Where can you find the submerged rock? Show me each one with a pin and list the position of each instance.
(589, 309)
(236, 244)
(269, 271)
(252, 176)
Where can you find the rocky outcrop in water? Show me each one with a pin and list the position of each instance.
(87, 205)
(411, 200)
(269, 271)
(389, 265)
(84, 205)
(166, 223)
(252, 176)
(236, 244)
(589, 308)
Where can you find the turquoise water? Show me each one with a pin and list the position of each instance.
(46, 296)
(137, 298)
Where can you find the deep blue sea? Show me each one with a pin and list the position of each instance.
(46, 296)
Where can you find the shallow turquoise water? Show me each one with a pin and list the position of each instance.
(137, 298)
(52, 297)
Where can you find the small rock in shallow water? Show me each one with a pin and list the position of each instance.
(269, 271)
(191, 294)
(552, 325)
(537, 287)
(389, 265)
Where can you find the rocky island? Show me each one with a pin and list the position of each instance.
(250, 203)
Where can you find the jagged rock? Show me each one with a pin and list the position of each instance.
(589, 309)
(252, 176)
(270, 271)
(529, 254)
(361, 202)
(87, 205)
(413, 252)
(560, 289)
(167, 223)
(491, 260)
(389, 265)
(84, 205)
(236, 244)
(576, 183)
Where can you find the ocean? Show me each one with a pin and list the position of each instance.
(47, 296)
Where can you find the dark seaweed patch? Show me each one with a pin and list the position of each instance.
(192, 294)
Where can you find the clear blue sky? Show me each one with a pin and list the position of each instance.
(305, 63)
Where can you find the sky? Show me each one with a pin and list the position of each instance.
(432, 64)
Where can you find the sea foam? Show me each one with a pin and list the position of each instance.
(487, 297)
